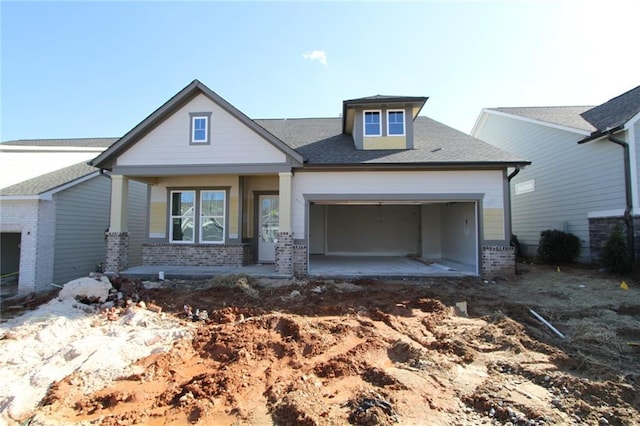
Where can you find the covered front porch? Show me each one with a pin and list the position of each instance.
(325, 267)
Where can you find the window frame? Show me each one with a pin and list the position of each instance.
(206, 116)
(172, 216)
(201, 216)
(197, 216)
(364, 122)
(404, 125)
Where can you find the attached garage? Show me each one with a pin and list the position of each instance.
(9, 256)
(442, 233)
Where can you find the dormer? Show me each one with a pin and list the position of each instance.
(381, 122)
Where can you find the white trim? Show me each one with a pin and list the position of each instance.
(633, 159)
(525, 187)
(193, 129)
(171, 240)
(36, 148)
(534, 121)
(364, 123)
(606, 213)
(224, 216)
(404, 122)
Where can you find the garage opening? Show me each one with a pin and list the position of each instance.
(9, 260)
(393, 238)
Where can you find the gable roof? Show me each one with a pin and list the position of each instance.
(615, 112)
(76, 142)
(322, 143)
(49, 181)
(106, 159)
(414, 102)
(566, 116)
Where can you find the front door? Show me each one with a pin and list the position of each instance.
(268, 220)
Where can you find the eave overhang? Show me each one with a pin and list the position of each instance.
(349, 107)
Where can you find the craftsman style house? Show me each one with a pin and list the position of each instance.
(378, 181)
(584, 177)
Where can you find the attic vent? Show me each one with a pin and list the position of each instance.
(436, 150)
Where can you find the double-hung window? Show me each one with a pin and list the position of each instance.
(372, 123)
(183, 207)
(200, 128)
(198, 216)
(212, 208)
(395, 123)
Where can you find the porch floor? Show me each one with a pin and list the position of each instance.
(319, 266)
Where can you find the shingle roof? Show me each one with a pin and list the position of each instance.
(321, 142)
(78, 142)
(615, 112)
(568, 116)
(49, 181)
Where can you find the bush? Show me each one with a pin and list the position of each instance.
(558, 247)
(515, 244)
(615, 255)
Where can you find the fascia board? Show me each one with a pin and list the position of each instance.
(539, 122)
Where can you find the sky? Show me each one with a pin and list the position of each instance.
(96, 69)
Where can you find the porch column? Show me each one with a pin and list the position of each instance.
(117, 235)
(284, 245)
(285, 202)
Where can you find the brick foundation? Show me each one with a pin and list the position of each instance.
(600, 228)
(284, 253)
(300, 267)
(117, 257)
(498, 261)
(158, 254)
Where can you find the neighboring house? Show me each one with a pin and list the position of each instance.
(379, 181)
(584, 173)
(52, 225)
(24, 159)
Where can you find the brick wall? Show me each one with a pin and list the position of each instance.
(600, 228)
(197, 254)
(498, 261)
(300, 260)
(117, 252)
(35, 221)
(284, 253)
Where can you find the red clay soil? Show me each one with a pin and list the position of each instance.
(374, 353)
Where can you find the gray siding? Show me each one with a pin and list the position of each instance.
(82, 216)
(571, 180)
(138, 203)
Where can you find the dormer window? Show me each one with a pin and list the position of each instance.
(372, 125)
(200, 125)
(395, 123)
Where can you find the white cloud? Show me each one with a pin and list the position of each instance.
(316, 55)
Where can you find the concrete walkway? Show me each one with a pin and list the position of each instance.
(348, 267)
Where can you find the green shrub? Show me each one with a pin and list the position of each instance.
(515, 244)
(558, 247)
(615, 255)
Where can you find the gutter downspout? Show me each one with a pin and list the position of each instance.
(513, 173)
(628, 218)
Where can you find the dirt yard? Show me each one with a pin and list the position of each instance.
(378, 353)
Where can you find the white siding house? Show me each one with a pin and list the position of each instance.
(380, 180)
(52, 226)
(577, 181)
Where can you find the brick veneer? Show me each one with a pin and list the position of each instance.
(600, 228)
(300, 260)
(117, 257)
(197, 254)
(498, 261)
(284, 253)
